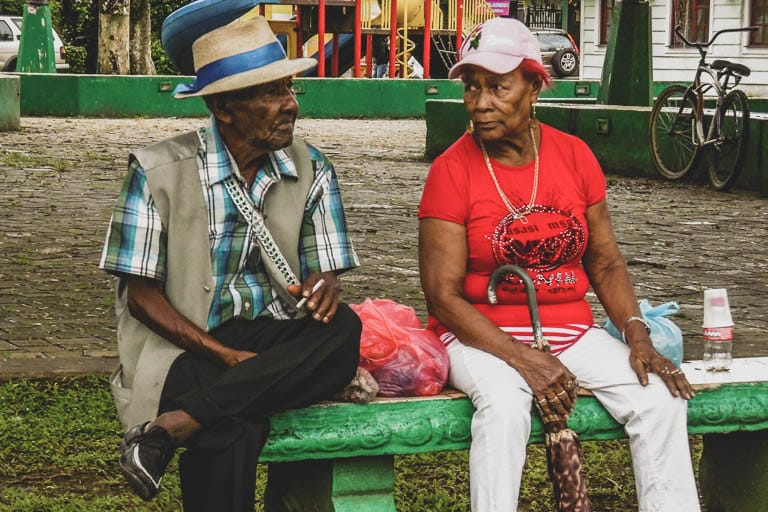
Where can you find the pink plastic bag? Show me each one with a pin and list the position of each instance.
(405, 359)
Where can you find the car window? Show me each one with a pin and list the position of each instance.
(552, 42)
(17, 22)
(5, 32)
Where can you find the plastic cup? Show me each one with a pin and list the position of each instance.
(717, 312)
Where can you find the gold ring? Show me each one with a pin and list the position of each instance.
(554, 399)
(561, 393)
(677, 372)
(542, 401)
(568, 385)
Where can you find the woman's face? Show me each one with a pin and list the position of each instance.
(498, 105)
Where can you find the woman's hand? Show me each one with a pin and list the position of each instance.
(644, 358)
(323, 302)
(554, 386)
(609, 277)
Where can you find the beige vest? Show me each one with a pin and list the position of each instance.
(171, 168)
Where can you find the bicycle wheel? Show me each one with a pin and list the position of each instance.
(672, 132)
(726, 156)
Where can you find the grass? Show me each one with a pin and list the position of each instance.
(18, 159)
(58, 445)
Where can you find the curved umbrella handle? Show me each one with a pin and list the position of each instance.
(530, 292)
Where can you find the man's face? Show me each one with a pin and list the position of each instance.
(264, 115)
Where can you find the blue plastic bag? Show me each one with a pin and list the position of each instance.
(667, 337)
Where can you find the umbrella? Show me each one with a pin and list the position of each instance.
(564, 457)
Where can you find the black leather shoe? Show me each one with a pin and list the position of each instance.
(144, 456)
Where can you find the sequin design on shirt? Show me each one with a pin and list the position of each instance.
(550, 239)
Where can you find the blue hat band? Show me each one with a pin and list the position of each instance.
(233, 65)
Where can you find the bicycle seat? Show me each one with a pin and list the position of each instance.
(736, 69)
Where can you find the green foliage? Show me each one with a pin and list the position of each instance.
(58, 444)
(76, 58)
(76, 21)
(12, 7)
(434, 482)
(163, 64)
(161, 10)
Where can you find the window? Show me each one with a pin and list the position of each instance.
(5, 32)
(606, 14)
(758, 18)
(693, 16)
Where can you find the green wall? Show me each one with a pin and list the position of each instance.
(103, 96)
(10, 113)
(118, 96)
(57, 94)
(618, 135)
(151, 96)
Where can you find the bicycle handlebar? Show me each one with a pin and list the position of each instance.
(700, 46)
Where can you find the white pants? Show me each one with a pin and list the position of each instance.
(654, 420)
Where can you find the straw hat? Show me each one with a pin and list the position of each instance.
(241, 54)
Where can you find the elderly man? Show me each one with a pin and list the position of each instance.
(215, 235)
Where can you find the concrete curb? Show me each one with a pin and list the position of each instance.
(46, 368)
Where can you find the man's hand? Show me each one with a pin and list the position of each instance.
(148, 303)
(232, 357)
(323, 303)
(644, 358)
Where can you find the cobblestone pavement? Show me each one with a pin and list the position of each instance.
(60, 177)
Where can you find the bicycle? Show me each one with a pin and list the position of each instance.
(681, 129)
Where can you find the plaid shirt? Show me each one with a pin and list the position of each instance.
(136, 239)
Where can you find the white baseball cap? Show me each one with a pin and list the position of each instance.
(498, 45)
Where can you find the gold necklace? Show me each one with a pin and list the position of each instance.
(517, 213)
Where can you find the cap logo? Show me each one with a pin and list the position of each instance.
(474, 43)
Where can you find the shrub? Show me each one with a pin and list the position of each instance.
(76, 57)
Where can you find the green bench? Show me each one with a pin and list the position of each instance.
(340, 456)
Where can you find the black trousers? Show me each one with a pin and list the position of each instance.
(299, 362)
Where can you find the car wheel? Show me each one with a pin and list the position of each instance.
(565, 62)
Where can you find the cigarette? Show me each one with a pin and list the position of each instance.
(303, 300)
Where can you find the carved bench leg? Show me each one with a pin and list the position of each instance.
(362, 484)
(732, 474)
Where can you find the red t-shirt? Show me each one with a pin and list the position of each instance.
(550, 245)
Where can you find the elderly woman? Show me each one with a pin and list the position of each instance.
(514, 190)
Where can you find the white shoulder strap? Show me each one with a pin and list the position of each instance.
(277, 267)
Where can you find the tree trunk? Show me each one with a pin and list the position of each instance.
(114, 37)
(141, 41)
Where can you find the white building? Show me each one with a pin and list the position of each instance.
(676, 62)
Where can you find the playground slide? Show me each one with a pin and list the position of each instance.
(184, 25)
(346, 55)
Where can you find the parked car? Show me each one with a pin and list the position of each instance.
(10, 36)
(558, 52)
